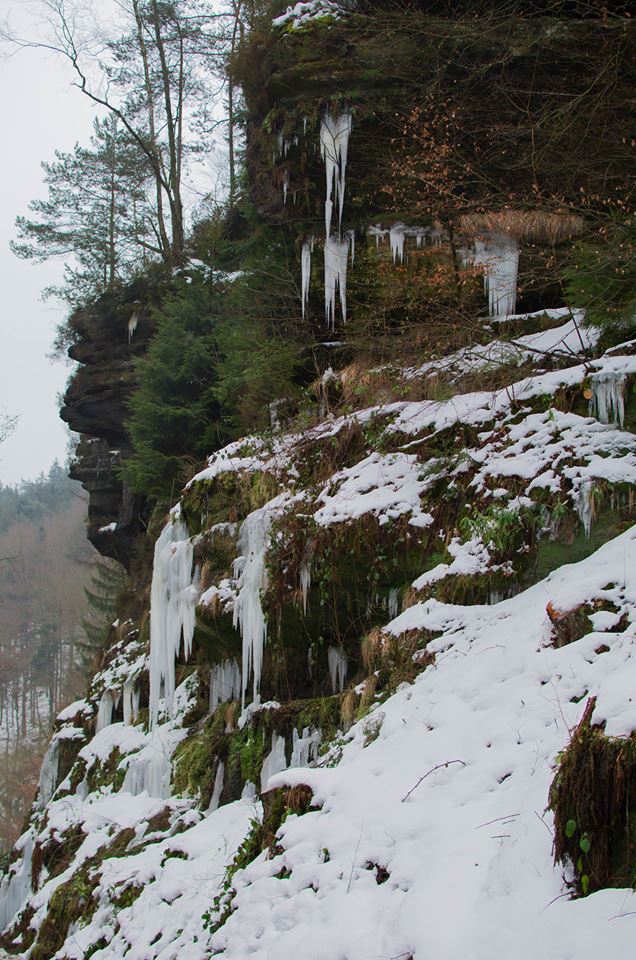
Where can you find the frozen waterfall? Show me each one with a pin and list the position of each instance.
(608, 397)
(498, 256)
(225, 683)
(173, 599)
(251, 577)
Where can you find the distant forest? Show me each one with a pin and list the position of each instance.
(46, 568)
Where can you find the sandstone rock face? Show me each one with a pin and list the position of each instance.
(108, 336)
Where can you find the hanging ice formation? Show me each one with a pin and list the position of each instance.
(285, 185)
(225, 683)
(336, 257)
(498, 256)
(305, 747)
(132, 325)
(15, 886)
(105, 711)
(48, 774)
(217, 790)
(131, 702)
(338, 664)
(585, 505)
(334, 146)
(251, 577)
(396, 239)
(305, 267)
(173, 598)
(150, 771)
(275, 761)
(608, 397)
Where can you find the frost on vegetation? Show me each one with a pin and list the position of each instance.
(225, 683)
(173, 599)
(303, 13)
(498, 256)
(334, 146)
(338, 665)
(608, 396)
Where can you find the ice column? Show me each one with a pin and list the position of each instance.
(251, 577)
(305, 267)
(15, 885)
(173, 598)
(498, 255)
(397, 234)
(585, 505)
(150, 771)
(336, 256)
(131, 702)
(334, 146)
(338, 663)
(48, 774)
(275, 761)
(105, 711)
(225, 683)
(608, 397)
(305, 747)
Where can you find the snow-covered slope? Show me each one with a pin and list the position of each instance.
(374, 624)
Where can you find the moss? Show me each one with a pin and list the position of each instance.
(124, 896)
(593, 796)
(196, 758)
(71, 902)
(246, 753)
(107, 773)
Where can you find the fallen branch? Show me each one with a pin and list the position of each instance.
(439, 766)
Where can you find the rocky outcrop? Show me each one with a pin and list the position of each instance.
(108, 336)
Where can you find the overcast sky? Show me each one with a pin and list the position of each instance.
(41, 112)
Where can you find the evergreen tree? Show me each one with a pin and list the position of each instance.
(96, 213)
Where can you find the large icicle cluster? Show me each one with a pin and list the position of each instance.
(172, 603)
(498, 256)
(225, 683)
(334, 147)
(336, 259)
(251, 576)
(608, 396)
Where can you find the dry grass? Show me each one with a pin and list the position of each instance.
(535, 226)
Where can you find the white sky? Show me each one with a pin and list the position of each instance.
(41, 112)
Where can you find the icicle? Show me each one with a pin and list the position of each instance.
(105, 711)
(15, 886)
(338, 663)
(48, 774)
(585, 505)
(336, 256)
(396, 239)
(130, 698)
(352, 241)
(217, 790)
(251, 576)
(285, 185)
(394, 602)
(305, 747)
(304, 578)
(498, 255)
(150, 771)
(132, 325)
(275, 761)
(173, 599)
(334, 146)
(225, 683)
(608, 397)
(377, 232)
(305, 267)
